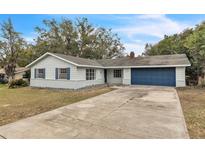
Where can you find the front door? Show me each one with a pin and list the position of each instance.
(105, 75)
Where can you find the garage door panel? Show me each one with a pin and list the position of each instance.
(153, 76)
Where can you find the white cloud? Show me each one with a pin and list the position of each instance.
(137, 47)
(152, 25)
(152, 16)
(29, 39)
(141, 29)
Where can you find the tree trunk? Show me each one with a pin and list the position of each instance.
(10, 79)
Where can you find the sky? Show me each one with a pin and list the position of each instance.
(134, 30)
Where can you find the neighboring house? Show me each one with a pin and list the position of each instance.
(19, 73)
(2, 75)
(63, 71)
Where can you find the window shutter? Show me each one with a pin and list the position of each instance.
(35, 73)
(68, 73)
(56, 73)
(44, 73)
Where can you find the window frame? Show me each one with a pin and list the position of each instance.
(90, 74)
(42, 76)
(117, 73)
(65, 73)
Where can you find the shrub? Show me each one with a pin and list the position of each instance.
(18, 83)
(3, 81)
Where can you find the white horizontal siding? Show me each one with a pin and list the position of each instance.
(127, 76)
(50, 63)
(111, 79)
(180, 77)
(125, 79)
(77, 75)
(64, 84)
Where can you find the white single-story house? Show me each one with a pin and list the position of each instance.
(63, 71)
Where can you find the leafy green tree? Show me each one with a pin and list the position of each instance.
(108, 45)
(190, 42)
(56, 37)
(26, 56)
(79, 38)
(86, 38)
(11, 45)
(195, 43)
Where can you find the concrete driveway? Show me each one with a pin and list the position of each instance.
(128, 112)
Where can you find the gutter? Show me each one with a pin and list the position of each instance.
(104, 67)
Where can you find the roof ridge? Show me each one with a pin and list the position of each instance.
(74, 57)
(68, 55)
(156, 60)
(165, 55)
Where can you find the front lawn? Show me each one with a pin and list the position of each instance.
(193, 105)
(2, 85)
(20, 103)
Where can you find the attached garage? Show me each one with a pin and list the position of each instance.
(153, 76)
(159, 70)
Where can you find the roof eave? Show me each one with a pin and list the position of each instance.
(32, 63)
(48, 53)
(93, 66)
(148, 66)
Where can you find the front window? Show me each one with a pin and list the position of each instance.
(117, 73)
(40, 73)
(90, 74)
(62, 73)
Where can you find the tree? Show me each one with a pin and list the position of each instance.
(26, 56)
(86, 38)
(108, 45)
(56, 37)
(78, 38)
(190, 42)
(11, 44)
(195, 43)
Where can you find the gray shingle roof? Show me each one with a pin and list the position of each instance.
(78, 60)
(176, 59)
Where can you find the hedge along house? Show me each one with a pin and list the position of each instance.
(63, 71)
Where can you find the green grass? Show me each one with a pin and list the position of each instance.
(193, 105)
(20, 103)
(2, 85)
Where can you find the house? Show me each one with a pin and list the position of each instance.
(63, 71)
(19, 73)
(2, 75)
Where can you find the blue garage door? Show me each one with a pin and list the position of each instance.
(153, 76)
